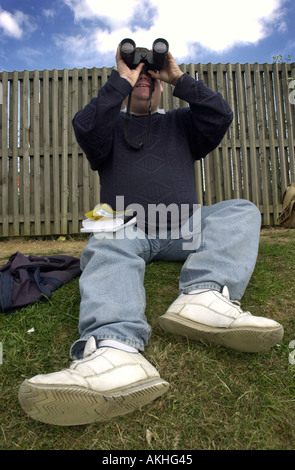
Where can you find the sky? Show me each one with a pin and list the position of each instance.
(58, 34)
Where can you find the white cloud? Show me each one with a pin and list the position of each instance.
(48, 13)
(16, 24)
(115, 13)
(10, 24)
(190, 26)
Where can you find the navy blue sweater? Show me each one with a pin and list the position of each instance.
(162, 172)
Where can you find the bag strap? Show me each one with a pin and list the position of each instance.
(286, 215)
(288, 196)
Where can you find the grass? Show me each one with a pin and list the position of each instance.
(218, 399)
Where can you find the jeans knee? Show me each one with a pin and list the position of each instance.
(248, 207)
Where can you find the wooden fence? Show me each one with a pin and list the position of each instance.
(47, 185)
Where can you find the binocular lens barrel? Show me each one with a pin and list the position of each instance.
(160, 46)
(127, 46)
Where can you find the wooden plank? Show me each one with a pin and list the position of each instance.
(233, 167)
(36, 158)
(55, 154)
(289, 110)
(263, 151)
(4, 163)
(14, 192)
(46, 152)
(64, 190)
(278, 99)
(25, 177)
(273, 162)
(251, 112)
(245, 183)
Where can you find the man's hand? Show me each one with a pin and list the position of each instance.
(131, 75)
(170, 72)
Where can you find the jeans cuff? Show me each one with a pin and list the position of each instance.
(77, 349)
(202, 285)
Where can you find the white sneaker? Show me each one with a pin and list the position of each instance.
(106, 383)
(211, 317)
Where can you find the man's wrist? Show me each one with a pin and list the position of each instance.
(120, 83)
(176, 79)
(129, 80)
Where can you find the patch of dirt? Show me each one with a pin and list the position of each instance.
(74, 246)
(277, 234)
(40, 247)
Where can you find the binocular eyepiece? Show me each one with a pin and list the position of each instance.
(153, 60)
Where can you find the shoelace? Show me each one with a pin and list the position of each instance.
(238, 304)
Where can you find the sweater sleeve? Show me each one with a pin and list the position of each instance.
(207, 118)
(94, 124)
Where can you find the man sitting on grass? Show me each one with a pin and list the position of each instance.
(147, 157)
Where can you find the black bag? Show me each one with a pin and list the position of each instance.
(25, 280)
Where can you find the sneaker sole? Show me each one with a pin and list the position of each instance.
(250, 340)
(72, 406)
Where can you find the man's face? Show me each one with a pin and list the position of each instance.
(141, 94)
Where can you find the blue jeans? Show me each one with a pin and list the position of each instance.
(112, 281)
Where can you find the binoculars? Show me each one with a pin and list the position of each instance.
(153, 60)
